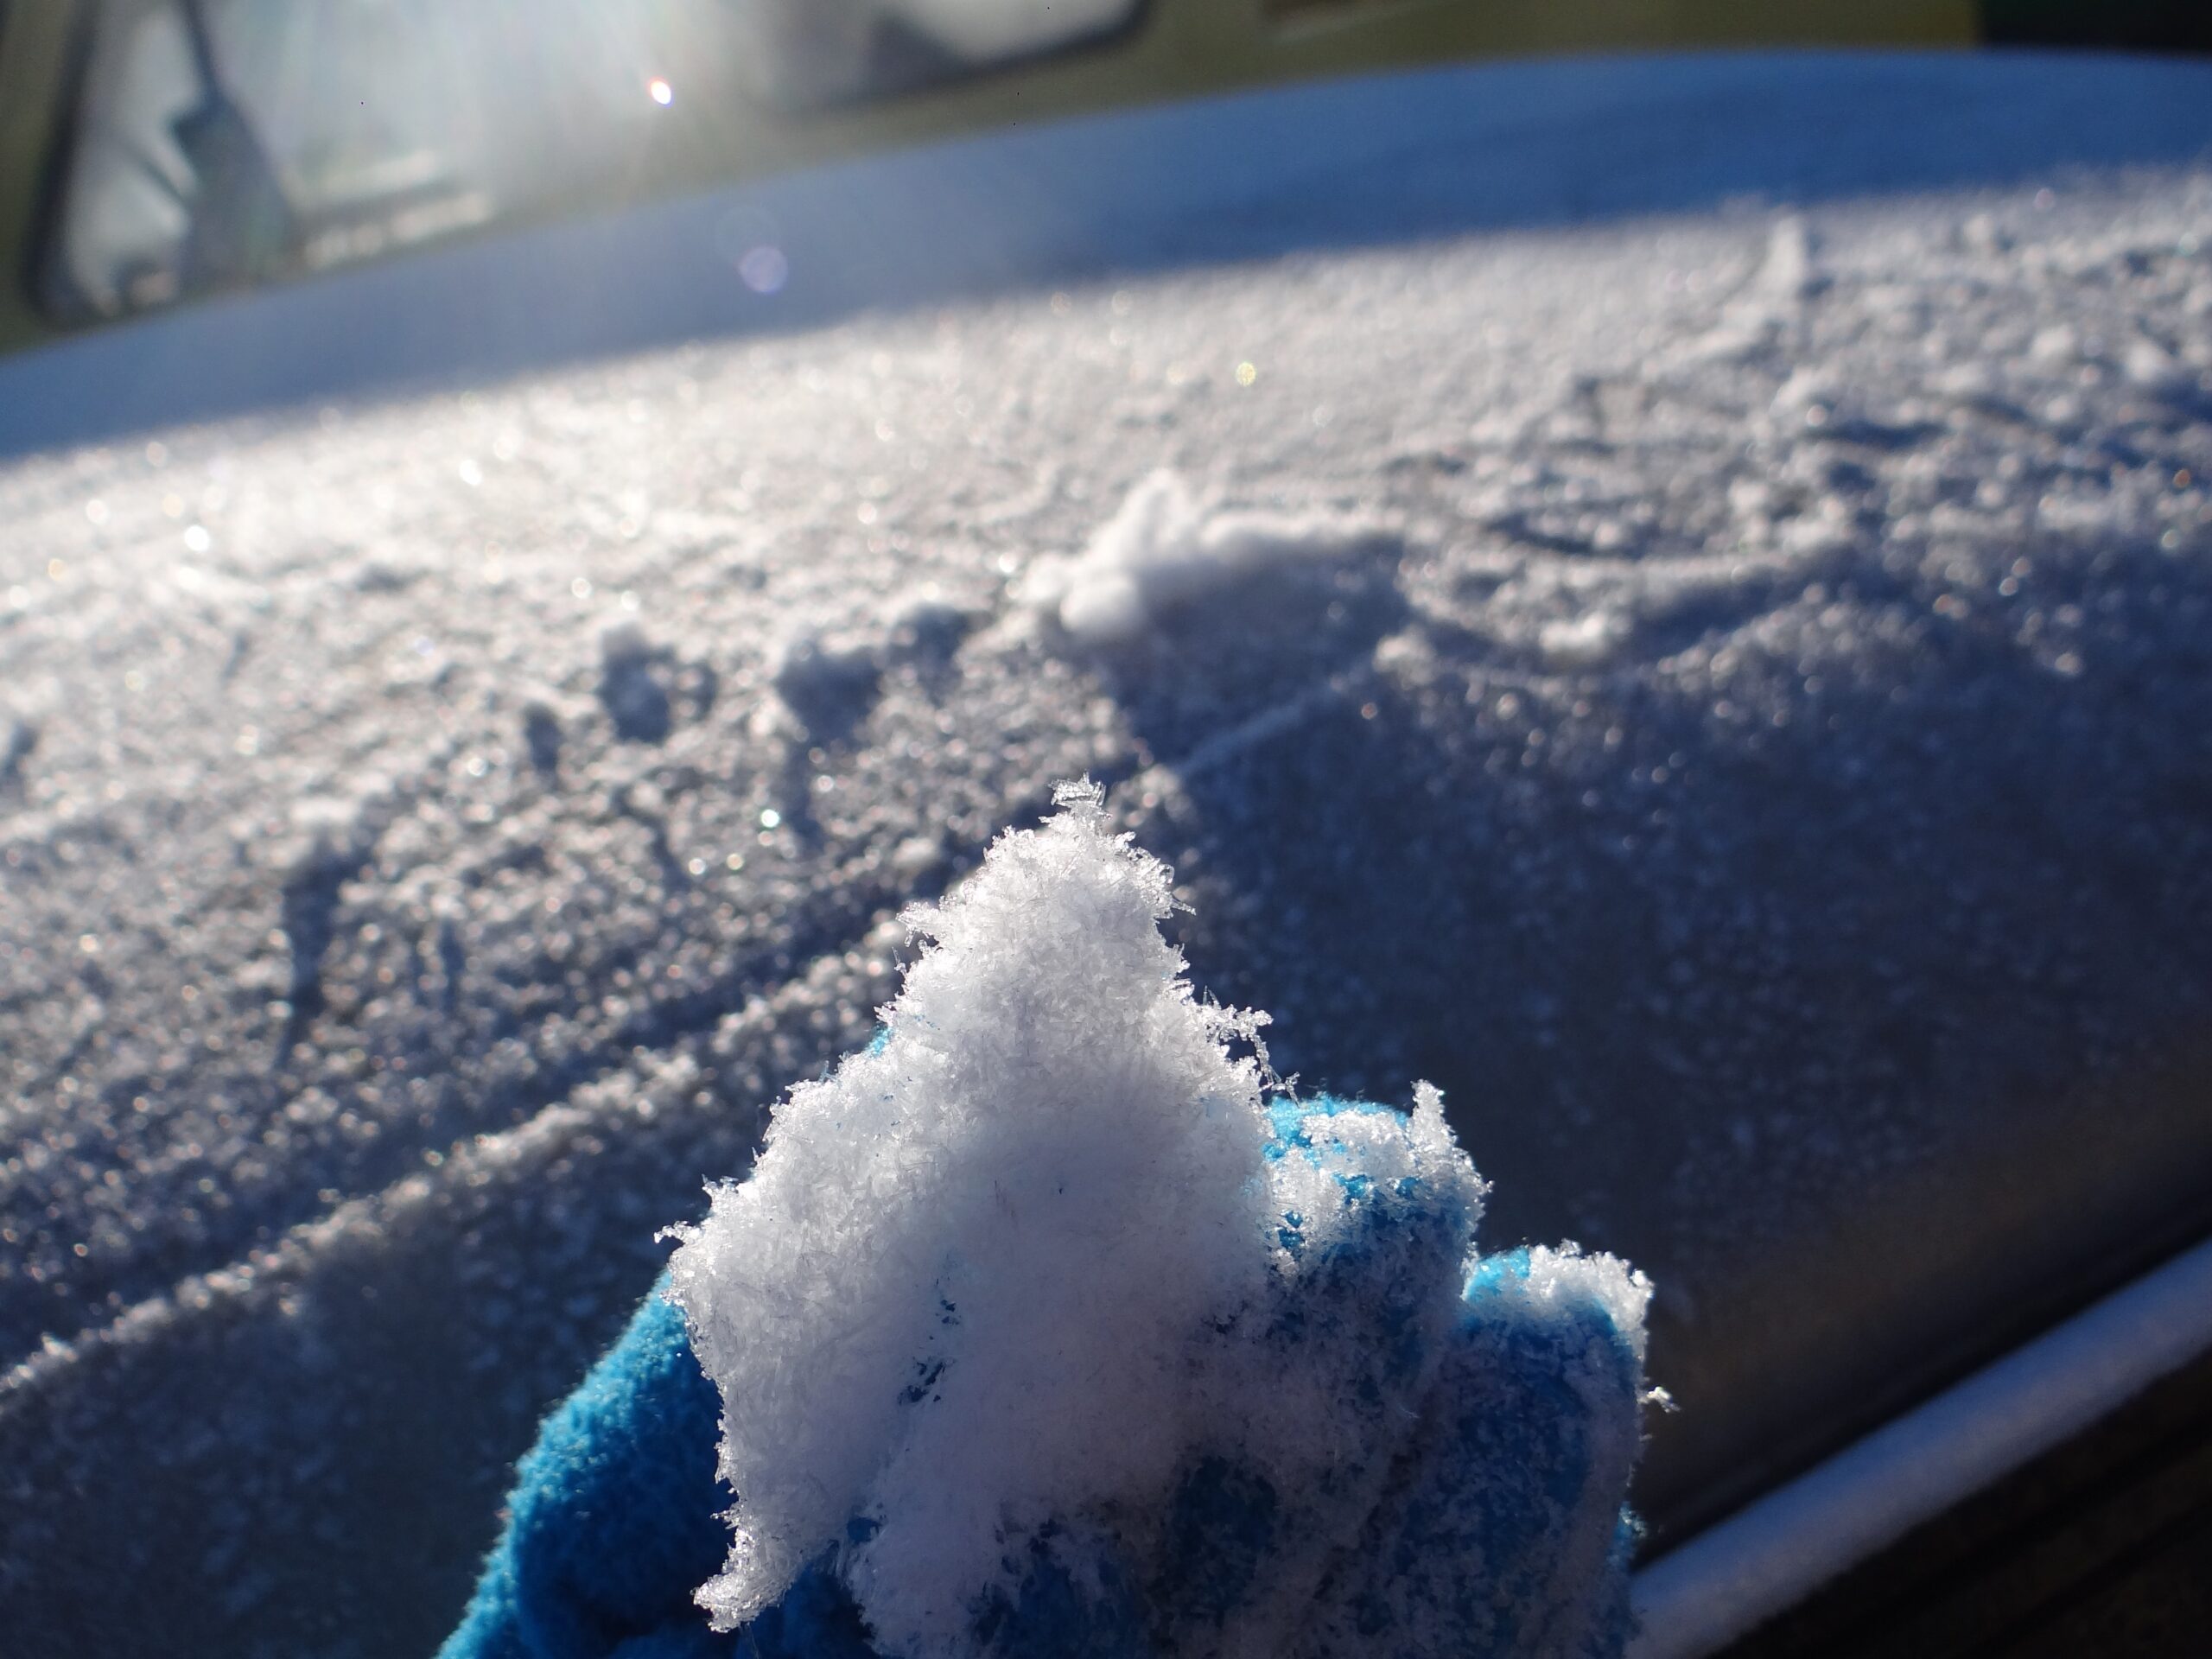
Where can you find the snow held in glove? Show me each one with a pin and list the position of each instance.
(1037, 1326)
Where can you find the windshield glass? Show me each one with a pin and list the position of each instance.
(222, 141)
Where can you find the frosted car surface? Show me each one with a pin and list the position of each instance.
(1721, 688)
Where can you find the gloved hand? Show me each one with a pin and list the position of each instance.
(1039, 1333)
(1497, 1528)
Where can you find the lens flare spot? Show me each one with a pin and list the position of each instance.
(764, 270)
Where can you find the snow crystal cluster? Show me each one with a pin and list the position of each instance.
(1039, 1317)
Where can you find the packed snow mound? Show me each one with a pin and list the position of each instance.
(1163, 549)
(1040, 1270)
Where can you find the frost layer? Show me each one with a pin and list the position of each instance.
(1014, 1295)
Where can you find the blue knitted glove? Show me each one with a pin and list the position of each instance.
(613, 1520)
(1039, 1333)
(1495, 1529)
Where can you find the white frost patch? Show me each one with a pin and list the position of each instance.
(1164, 550)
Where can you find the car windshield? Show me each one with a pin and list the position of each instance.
(221, 141)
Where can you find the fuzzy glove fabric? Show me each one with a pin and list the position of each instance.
(1499, 1529)
(1040, 1331)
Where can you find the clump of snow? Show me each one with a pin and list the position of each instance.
(1040, 1178)
(2152, 367)
(542, 730)
(1164, 550)
(630, 683)
(1790, 273)
(624, 643)
(930, 625)
(1584, 641)
(22, 738)
(827, 684)
(326, 828)
(1789, 276)
(996, 1286)
(331, 834)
